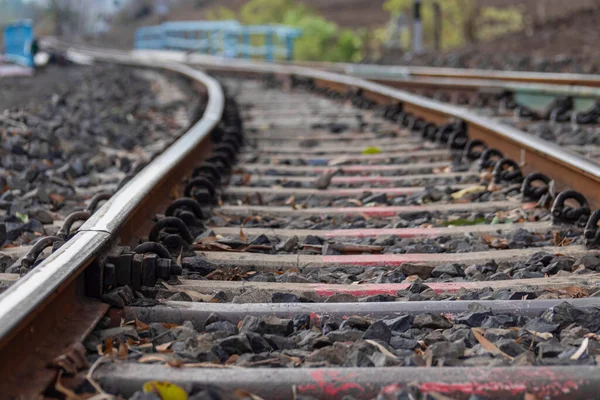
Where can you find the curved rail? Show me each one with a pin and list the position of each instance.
(26, 298)
(119, 213)
(460, 73)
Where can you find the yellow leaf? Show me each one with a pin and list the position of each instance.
(372, 150)
(467, 191)
(166, 390)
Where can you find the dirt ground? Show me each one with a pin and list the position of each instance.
(16, 92)
(567, 44)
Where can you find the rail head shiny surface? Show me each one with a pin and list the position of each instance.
(31, 292)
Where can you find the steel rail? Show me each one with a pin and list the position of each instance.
(334, 382)
(541, 82)
(24, 303)
(387, 71)
(534, 154)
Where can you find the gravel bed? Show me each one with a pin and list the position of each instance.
(565, 134)
(104, 123)
(320, 162)
(477, 338)
(390, 244)
(442, 181)
(430, 195)
(538, 265)
(274, 171)
(407, 220)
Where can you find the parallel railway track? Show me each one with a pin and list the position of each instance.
(422, 267)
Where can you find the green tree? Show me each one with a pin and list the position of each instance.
(257, 12)
(321, 40)
(219, 13)
(463, 21)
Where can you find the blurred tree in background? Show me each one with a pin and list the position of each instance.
(321, 40)
(463, 21)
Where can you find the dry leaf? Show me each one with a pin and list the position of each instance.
(467, 191)
(584, 345)
(179, 258)
(487, 238)
(545, 335)
(593, 336)
(194, 295)
(356, 202)
(69, 394)
(155, 357)
(207, 365)
(339, 161)
(108, 347)
(243, 236)
(571, 291)
(123, 351)
(382, 349)
(246, 178)
(486, 344)
(528, 206)
(57, 198)
(164, 348)
(232, 359)
(175, 363)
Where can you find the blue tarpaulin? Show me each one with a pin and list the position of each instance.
(18, 38)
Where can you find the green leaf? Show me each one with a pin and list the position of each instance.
(464, 222)
(23, 217)
(372, 150)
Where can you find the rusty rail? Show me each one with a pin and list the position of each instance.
(46, 311)
(52, 286)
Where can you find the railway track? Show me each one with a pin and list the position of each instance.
(322, 249)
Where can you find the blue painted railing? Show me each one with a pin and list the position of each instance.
(18, 37)
(225, 38)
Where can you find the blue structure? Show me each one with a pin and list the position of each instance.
(225, 38)
(17, 43)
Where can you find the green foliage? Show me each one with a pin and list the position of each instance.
(463, 20)
(350, 45)
(257, 12)
(498, 21)
(321, 40)
(220, 13)
(318, 39)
